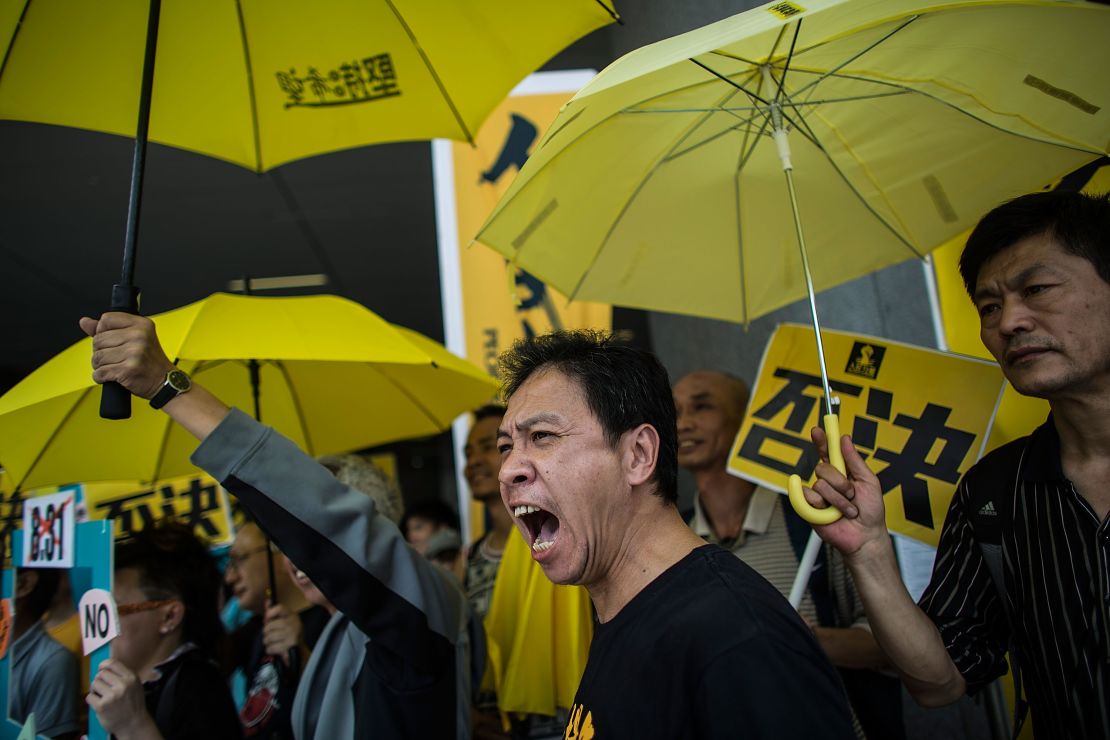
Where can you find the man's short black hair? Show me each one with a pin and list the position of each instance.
(624, 387)
(489, 411)
(173, 564)
(1079, 222)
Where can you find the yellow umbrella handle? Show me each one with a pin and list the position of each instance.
(812, 514)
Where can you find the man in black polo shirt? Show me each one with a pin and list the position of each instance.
(1038, 270)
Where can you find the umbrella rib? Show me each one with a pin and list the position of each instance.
(1058, 141)
(415, 401)
(855, 56)
(729, 81)
(789, 58)
(612, 13)
(744, 157)
(859, 196)
(432, 71)
(250, 87)
(743, 125)
(53, 436)
(740, 238)
(791, 103)
(636, 191)
(812, 137)
(296, 406)
(511, 197)
(15, 35)
(803, 128)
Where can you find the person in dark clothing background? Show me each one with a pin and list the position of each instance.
(163, 680)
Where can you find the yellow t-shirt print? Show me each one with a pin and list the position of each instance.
(579, 727)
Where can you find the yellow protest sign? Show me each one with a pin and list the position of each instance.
(501, 303)
(197, 500)
(920, 417)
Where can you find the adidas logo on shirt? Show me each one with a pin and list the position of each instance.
(988, 510)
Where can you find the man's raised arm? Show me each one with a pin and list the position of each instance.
(126, 350)
(902, 629)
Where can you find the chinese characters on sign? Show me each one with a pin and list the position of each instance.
(197, 502)
(919, 417)
(11, 518)
(355, 81)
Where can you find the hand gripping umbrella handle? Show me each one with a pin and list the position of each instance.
(115, 400)
(810, 513)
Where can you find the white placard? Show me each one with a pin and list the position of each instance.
(48, 530)
(99, 619)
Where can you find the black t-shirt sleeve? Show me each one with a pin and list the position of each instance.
(773, 691)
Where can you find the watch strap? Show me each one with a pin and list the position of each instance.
(167, 392)
(164, 395)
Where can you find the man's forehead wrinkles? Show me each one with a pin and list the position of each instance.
(542, 417)
(989, 287)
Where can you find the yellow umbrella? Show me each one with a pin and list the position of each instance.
(263, 82)
(897, 123)
(659, 185)
(334, 377)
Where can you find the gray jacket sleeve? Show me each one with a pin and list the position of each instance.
(356, 557)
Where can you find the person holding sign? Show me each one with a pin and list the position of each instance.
(1022, 564)
(44, 674)
(162, 680)
(403, 680)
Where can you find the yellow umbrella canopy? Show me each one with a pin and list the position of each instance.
(660, 185)
(265, 82)
(334, 377)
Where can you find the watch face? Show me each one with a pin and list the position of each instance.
(179, 380)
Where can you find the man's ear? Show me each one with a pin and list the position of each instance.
(173, 615)
(25, 582)
(641, 454)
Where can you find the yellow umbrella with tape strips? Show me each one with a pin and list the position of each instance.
(742, 166)
(334, 377)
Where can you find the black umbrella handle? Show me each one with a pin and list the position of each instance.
(115, 400)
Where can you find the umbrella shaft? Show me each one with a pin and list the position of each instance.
(138, 160)
(809, 289)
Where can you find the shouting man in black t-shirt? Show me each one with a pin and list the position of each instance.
(692, 643)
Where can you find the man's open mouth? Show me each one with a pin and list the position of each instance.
(542, 526)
